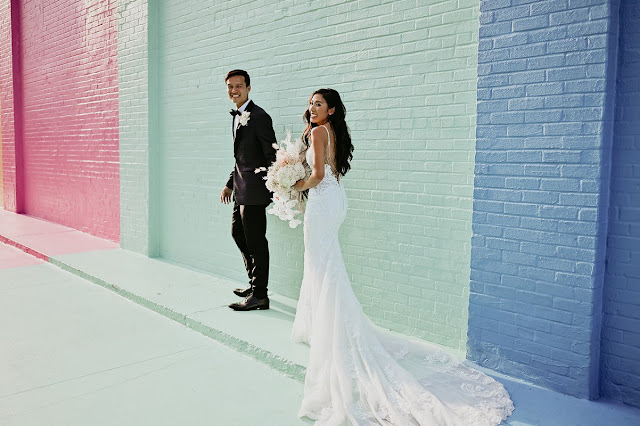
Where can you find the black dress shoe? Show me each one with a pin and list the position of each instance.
(250, 303)
(243, 292)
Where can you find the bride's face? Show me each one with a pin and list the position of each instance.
(319, 110)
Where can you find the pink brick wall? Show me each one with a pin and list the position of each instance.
(9, 201)
(70, 114)
(1, 168)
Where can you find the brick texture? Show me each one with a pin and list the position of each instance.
(621, 329)
(137, 211)
(1, 165)
(9, 200)
(70, 114)
(407, 72)
(542, 169)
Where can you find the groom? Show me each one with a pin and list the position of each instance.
(253, 139)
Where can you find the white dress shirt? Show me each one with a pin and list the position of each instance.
(236, 118)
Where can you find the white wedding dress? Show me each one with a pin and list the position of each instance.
(359, 374)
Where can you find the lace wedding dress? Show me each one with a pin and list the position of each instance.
(359, 374)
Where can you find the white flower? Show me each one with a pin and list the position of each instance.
(290, 166)
(298, 169)
(286, 177)
(244, 118)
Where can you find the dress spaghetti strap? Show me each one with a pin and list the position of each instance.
(327, 160)
(328, 135)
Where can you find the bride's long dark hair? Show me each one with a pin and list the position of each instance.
(343, 145)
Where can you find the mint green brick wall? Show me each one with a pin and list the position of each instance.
(138, 202)
(407, 73)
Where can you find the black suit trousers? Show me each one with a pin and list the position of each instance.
(249, 229)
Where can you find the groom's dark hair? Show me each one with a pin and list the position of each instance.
(243, 73)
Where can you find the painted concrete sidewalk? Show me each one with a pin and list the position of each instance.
(72, 353)
(78, 326)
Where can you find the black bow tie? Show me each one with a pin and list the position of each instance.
(235, 112)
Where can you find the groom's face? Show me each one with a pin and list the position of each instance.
(238, 90)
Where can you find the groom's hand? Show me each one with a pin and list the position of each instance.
(225, 195)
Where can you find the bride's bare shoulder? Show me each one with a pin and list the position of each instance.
(318, 134)
(319, 131)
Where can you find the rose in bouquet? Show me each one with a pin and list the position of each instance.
(290, 166)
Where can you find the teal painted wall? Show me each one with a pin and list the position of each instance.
(407, 73)
(138, 115)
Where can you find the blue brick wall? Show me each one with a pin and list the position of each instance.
(541, 190)
(621, 329)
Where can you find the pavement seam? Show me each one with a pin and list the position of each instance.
(24, 248)
(106, 370)
(275, 362)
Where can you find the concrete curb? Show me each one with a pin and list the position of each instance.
(276, 362)
(24, 248)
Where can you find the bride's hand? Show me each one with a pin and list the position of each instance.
(299, 185)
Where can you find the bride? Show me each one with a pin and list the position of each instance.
(358, 374)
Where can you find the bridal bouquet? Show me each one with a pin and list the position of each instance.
(290, 166)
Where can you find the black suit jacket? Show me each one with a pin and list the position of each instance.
(252, 148)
